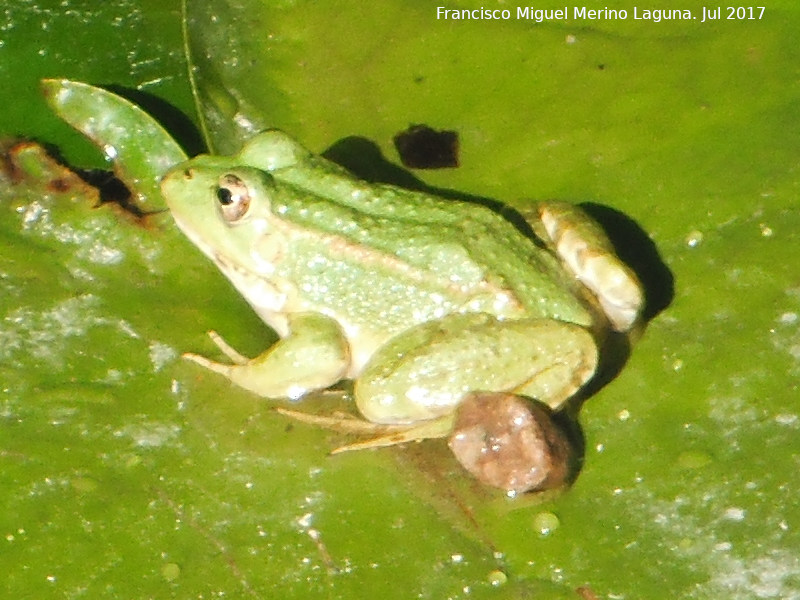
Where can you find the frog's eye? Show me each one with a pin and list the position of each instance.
(233, 197)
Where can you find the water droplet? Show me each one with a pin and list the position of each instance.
(497, 578)
(546, 522)
(694, 238)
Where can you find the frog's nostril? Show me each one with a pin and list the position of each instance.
(188, 173)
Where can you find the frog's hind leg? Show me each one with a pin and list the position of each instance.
(584, 247)
(426, 372)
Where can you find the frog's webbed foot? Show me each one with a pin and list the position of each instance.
(379, 436)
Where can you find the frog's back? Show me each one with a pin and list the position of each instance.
(464, 252)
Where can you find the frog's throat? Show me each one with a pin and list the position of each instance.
(269, 296)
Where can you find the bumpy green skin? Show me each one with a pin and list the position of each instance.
(419, 299)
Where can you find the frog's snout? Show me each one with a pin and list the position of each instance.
(175, 178)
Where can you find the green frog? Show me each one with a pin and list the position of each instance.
(418, 299)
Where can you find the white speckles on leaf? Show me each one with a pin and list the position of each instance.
(161, 354)
(149, 435)
(44, 334)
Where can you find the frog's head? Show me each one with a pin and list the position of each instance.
(222, 206)
(221, 202)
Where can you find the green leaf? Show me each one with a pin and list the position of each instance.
(129, 473)
(134, 45)
(136, 145)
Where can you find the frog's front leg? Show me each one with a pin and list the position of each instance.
(313, 356)
(424, 373)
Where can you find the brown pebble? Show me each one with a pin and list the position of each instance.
(510, 442)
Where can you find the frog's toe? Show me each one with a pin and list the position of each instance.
(227, 349)
(379, 436)
(342, 423)
(209, 364)
(393, 435)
